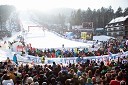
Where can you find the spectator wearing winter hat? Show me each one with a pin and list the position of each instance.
(29, 80)
(44, 83)
(93, 80)
(25, 78)
(12, 75)
(89, 81)
(36, 83)
(7, 80)
(122, 82)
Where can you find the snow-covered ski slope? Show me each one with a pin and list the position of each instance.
(45, 39)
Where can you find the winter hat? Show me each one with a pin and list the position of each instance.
(122, 82)
(29, 80)
(36, 83)
(93, 79)
(89, 80)
(44, 83)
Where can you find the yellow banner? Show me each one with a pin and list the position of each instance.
(84, 35)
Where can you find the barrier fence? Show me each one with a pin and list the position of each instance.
(67, 60)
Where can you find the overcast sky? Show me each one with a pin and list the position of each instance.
(76, 4)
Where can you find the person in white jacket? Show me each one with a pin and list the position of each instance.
(7, 80)
(126, 44)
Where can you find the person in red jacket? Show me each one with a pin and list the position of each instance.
(116, 81)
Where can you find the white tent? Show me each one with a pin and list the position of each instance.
(102, 38)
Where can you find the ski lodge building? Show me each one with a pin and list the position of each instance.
(118, 27)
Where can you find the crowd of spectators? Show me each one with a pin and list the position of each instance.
(113, 46)
(88, 73)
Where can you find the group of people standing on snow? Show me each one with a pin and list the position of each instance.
(113, 47)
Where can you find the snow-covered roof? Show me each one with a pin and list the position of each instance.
(99, 28)
(118, 19)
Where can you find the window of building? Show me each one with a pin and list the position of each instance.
(109, 34)
(121, 28)
(114, 34)
(114, 29)
(126, 33)
(114, 24)
(111, 25)
(109, 29)
(117, 24)
(121, 33)
(118, 28)
(117, 33)
(126, 27)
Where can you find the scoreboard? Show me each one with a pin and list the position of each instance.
(87, 25)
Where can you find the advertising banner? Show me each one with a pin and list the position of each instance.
(37, 60)
(86, 35)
